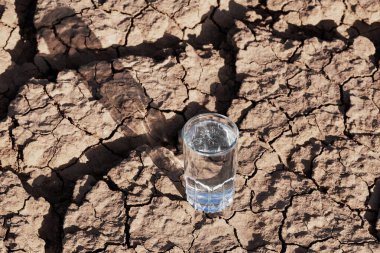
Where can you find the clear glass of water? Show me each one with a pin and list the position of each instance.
(210, 153)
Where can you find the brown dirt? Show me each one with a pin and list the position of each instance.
(93, 94)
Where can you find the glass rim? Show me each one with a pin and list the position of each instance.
(235, 129)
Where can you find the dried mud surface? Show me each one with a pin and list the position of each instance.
(93, 94)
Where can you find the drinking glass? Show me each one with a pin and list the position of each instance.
(210, 153)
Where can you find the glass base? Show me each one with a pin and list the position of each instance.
(208, 200)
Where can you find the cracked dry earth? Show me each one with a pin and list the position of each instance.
(94, 93)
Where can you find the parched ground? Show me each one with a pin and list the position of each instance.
(93, 94)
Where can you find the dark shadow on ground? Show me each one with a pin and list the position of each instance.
(22, 55)
(326, 30)
(372, 32)
(373, 214)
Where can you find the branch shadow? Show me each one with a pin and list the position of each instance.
(21, 55)
(123, 98)
(326, 30)
(373, 215)
(371, 32)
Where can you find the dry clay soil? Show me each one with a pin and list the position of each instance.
(93, 94)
